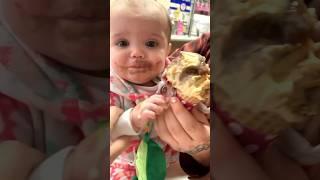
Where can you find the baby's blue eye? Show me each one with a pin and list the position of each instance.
(122, 43)
(151, 44)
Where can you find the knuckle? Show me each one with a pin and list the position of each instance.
(190, 128)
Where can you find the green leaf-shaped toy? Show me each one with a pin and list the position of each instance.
(150, 160)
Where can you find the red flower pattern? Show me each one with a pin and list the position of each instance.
(5, 54)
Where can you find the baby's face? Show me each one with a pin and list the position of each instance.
(72, 32)
(138, 45)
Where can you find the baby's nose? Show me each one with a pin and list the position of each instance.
(137, 53)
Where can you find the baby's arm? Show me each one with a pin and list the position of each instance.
(119, 144)
(80, 166)
(133, 120)
(123, 125)
(18, 160)
(73, 163)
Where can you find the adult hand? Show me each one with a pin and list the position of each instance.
(185, 131)
(230, 161)
(278, 166)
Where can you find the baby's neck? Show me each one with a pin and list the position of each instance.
(96, 73)
(148, 84)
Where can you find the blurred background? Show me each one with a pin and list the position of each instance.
(189, 19)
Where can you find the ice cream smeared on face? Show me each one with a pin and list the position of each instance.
(190, 76)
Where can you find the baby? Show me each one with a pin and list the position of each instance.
(52, 89)
(139, 45)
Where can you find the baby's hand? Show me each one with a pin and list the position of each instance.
(147, 111)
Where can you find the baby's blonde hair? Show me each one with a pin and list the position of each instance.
(146, 4)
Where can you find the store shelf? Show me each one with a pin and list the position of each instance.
(183, 38)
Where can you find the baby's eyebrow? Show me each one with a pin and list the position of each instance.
(157, 35)
(117, 35)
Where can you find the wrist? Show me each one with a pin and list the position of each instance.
(203, 157)
(124, 126)
(201, 153)
(133, 120)
(193, 167)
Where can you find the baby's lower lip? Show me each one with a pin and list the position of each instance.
(138, 69)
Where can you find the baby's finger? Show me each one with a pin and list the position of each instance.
(159, 100)
(147, 115)
(143, 118)
(155, 108)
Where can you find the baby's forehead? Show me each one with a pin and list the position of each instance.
(148, 9)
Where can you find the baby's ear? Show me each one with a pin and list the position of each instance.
(169, 48)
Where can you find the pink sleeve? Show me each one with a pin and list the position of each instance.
(114, 99)
(15, 118)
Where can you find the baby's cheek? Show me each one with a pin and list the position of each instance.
(33, 7)
(160, 65)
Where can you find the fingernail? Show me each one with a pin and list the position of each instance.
(173, 99)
